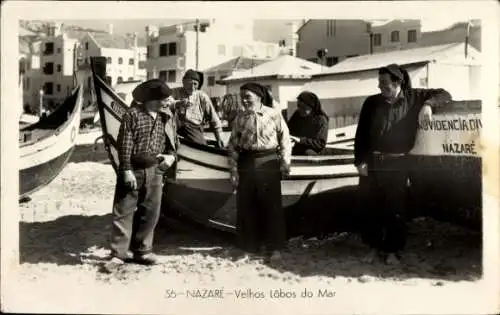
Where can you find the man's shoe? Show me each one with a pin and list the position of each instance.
(112, 265)
(147, 259)
(371, 257)
(392, 259)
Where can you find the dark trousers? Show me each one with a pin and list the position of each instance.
(260, 216)
(136, 213)
(191, 132)
(384, 198)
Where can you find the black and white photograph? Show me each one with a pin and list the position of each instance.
(250, 158)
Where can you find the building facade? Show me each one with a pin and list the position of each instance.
(342, 39)
(57, 66)
(174, 49)
(126, 60)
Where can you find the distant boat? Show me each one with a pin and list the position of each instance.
(46, 145)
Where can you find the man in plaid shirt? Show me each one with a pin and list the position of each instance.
(147, 145)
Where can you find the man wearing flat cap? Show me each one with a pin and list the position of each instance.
(386, 132)
(147, 149)
(194, 108)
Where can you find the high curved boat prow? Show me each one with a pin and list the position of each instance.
(46, 146)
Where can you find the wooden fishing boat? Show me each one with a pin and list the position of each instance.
(200, 188)
(445, 183)
(46, 146)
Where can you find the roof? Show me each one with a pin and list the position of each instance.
(453, 34)
(238, 63)
(401, 57)
(105, 40)
(283, 67)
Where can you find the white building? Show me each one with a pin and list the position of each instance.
(213, 76)
(57, 65)
(343, 88)
(174, 49)
(285, 76)
(126, 60)
(31, 75)
(349, 38)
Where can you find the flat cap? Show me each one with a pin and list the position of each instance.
(151, 90)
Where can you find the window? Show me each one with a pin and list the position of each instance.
(131, 61)
(119, 80)
(130, 79)
(171, 76)
(89, 82)
(163, 75)
(163, 50)
(330, 61)
(48, 88)
(108, 60)
(211, 81)
(412, 36)
(142, 64)
(120, 60)
(86, 46)
(315, 60)
(49, 49)
(59, 50)
(172, 49)
(221, 50)
(395, 36)
(58, 88)
(377, 40)
(109, 80)
(331, 28)
(49, 68)
(59, 68)
(148, 52)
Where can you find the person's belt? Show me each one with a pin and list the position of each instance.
(388, 154)
(257, 153)
(143, 161)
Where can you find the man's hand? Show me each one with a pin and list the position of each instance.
(425, 115)
(166, 160)
(285, 169)
(129, 179)
(218, 139)
(295, 139)
(362, 169)
(234, 180)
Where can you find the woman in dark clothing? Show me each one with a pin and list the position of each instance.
(308, 125)
(386, 132)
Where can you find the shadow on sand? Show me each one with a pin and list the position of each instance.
(435, 250)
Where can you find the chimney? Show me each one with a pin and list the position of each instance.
(134, 37)
(110, 28)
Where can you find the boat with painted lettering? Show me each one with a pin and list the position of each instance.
(46, 145)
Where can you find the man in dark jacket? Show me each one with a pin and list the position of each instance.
(386, 132)
(147, 149)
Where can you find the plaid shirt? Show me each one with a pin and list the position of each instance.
(263, 129)
(140, 134)
(199, 110)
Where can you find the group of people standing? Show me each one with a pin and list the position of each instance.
(260, 149)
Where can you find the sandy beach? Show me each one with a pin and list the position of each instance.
(65, 228)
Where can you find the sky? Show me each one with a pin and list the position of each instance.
(265, 30)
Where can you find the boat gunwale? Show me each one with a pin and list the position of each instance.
(77, 92)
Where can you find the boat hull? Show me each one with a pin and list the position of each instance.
(48, 145)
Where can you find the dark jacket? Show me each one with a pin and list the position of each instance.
(392, 128)
(312, 131)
